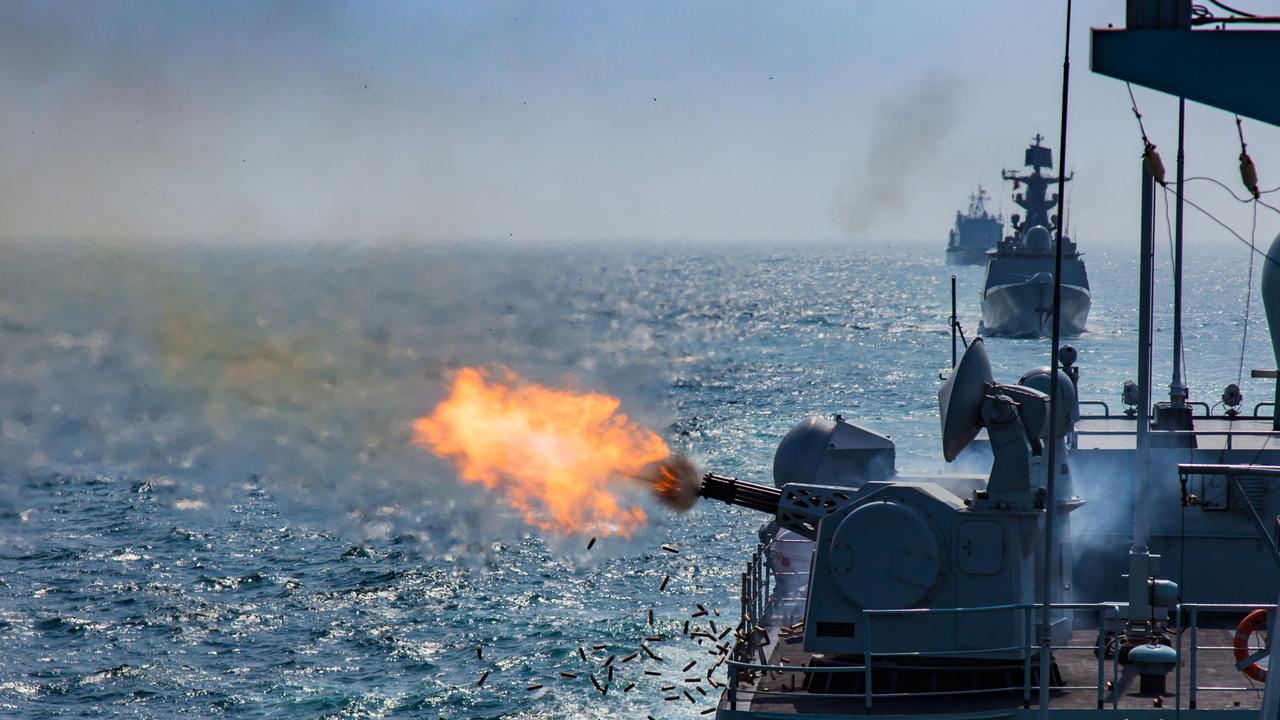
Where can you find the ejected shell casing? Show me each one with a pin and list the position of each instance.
(628, 687)
(715, 611)
(483, 676)
(650, 653)
(708, 711)
(596, 682)
(610, 678)
(592, 543)
(569, 675)
(654, 638)
(691, 664)
(670, 548)
(653, 672)
(582, 653)
(600, 646)
(651, 616)
(479, 652)
(723, 633)
(686, 694)
(669, 698)
(699, 689)
(686, 627)
(712, 625)
(533, 687)
(701, 607)
(631, 657)
(667, 688)
(609, 661)
(693, 679)
(665, 579)
(698, 614)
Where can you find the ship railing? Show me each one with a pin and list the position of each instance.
(1192, 612)
(1106, 409)
(749, 660)
(743, 665)
(1231, 435)
(1208, 413)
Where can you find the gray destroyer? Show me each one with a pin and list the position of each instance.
(976, 232)
(1017, 294)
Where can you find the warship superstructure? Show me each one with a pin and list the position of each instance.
(953, 596)
(1017, 293)
(976, 231)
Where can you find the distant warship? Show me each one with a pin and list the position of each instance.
(1017, 295)
(976, 232)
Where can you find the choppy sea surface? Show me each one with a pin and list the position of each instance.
(209, 505)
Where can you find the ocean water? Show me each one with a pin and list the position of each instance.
(209, 505)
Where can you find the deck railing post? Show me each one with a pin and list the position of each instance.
(1191, 692)
(1102, 656)
(866, 660)
(1026, 656)
(733, 686)
(1115, 667)
(1177, 669)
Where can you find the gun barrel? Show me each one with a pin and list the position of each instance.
(736, 492)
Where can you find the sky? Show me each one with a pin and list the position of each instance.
(310, 120)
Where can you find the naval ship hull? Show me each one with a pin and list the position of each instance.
(966, 256)
(1025, 309)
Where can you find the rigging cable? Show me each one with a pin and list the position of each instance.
(1051, 467)
(1239, 199)
(1168, 224)
(1249, 177)
(1248, 296)
(1155, 165)
(1232, 10)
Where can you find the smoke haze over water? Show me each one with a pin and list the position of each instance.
(548, 121)
(907, 140)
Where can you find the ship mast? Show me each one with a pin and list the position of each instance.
(1034, 199)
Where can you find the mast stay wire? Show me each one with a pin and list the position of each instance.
(1168, 224)
(1155, 165)
(1233, 194)
(1149, 154)
(1248, 295)
(1230, 9)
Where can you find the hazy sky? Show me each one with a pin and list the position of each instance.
(565, 120)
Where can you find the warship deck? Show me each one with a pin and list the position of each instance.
(1219, 686)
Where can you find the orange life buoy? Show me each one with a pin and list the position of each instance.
(1253, 622)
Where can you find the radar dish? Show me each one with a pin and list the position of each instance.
(960, 399)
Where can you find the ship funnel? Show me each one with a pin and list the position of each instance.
(1271, 302)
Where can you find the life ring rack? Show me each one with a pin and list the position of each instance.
(1255, 621)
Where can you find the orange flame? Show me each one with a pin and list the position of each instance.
(552, 453)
